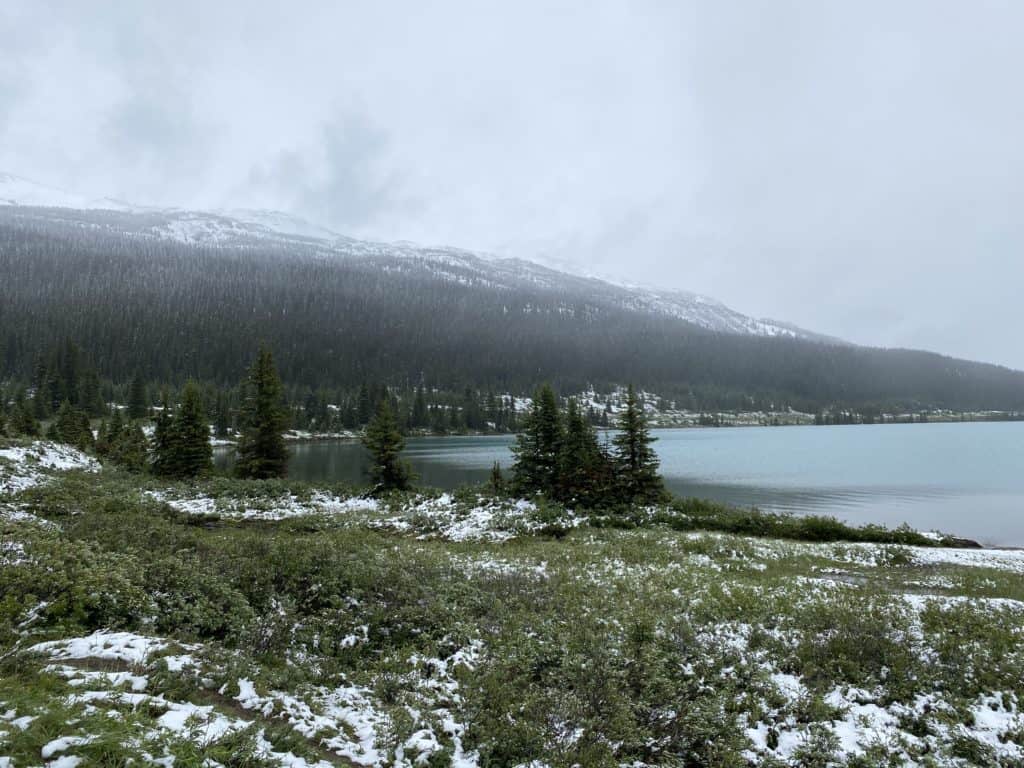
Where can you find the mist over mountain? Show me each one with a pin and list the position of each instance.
(174, 294)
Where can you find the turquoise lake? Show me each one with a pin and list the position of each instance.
(966, 479)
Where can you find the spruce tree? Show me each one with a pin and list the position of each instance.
(472, 417)
(124, 444)
(261, 450)
(71, 426)
(90, 399)
(497, 479)
(138, 402)
(87, 441)
(636, 462)
(384, 441)
(163, 444)
(102, 440)
(22, 419)
(365, 405)
(42, 400)
(5, 414)
(419, 417)
(584, 469)
(129, 448)
(193, 454)
(221, 416)
(110, 433)
(537, 447)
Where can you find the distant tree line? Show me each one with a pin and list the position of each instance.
(180, 446)
(66, 374)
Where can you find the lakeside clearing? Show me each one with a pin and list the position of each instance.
(277, 623)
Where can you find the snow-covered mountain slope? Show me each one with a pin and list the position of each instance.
(240, 228)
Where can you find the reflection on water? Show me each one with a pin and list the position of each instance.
(962, 478)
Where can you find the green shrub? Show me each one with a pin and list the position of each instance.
(81, 585)
(191, 601)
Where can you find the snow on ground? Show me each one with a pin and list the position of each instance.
(1000, 559)
(872, 555)
(350, 723)
(487, 520)
(475, 564)
(860, 723)
(202, 724)
(920, 602)
(12, 553)
(442, 516)
(266, 508)
(23, 467)
(344, 718)
(117, 646)
(868, 555)
(14, 513)
(82, 677)
(302, 434)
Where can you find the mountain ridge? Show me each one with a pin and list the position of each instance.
(142, 301)
(239, 227)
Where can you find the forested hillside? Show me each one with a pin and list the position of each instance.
(171, 310)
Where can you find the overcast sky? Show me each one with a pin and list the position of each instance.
(854, 167)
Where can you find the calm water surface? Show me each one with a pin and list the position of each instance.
(966, 479)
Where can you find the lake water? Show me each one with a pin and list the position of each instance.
(966, 479)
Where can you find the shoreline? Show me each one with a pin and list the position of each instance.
(351, 437)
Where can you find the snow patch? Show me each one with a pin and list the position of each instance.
(24, 467)
(118, 646)
(266, 508)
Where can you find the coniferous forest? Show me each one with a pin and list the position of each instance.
(166, 311)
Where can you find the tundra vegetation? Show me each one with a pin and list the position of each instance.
(239, 622)
(572, 615)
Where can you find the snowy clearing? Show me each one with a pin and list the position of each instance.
(24, 467)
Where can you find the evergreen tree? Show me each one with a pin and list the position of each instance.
(537, 447)
(494, 414)
(261, 449)
(164, 442)
(419, 418)
(90, 399)
(221, 416)
(471, 415)
(42, 399)
(636, 462)
(129, 448)
(193, 455)
(71, 426)
(365, 405)
(123, 443)
(22, 420)
(110, 433)
(65, 371)
(585, 470)
(385, 443)
(439, 421)
(497, 479)
(138, 402)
